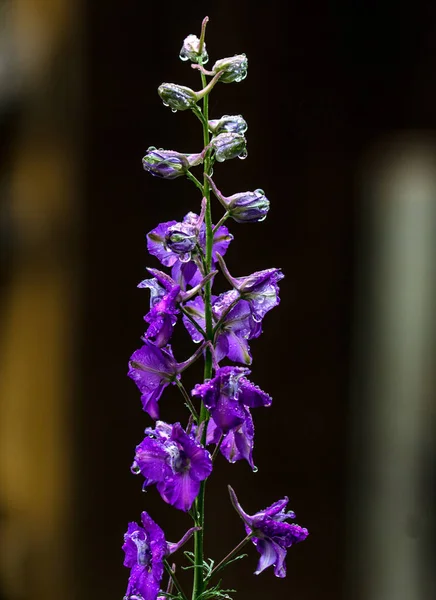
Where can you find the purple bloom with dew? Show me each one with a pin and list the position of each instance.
(145, 549)
(234, 319)
(174, 461)
(236, 444)
(271, 535)
(153, 369)
(228, 395)
(185, 265)
(260, 289)
(163, 312)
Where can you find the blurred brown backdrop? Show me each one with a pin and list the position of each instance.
(340, 103)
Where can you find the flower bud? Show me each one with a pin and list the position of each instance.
(178, 97)
(248, 207)
(191, 50)
(167, 164)
(181, 238)
(229, 145)
(234, 68)
(230, 124)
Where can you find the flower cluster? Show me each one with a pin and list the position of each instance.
(177, 459)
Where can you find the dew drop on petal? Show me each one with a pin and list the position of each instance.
(255, 469)
(174, 110)
(183, 57)
(243, 155)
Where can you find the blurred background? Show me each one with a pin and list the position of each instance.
(340, 102)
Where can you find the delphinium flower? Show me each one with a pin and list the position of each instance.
(145, 550)
(177, 458)
(270, 533)
(229, 397)
(174, 461)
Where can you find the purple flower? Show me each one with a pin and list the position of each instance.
(238, 443)
(260, 289)
(228, 395)
(236, 325)
(174, 461)
(272, 536)
(153, 369)
(163, 313)
(145, 549)
(184, 267)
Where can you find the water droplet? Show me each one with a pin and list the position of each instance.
(259, 191)
(255, 469)
(151, 148)
(174, 110)
(243, 155)
(164, 103)
(182, 57)
(135, 469)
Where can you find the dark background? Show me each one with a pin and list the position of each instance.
(326, 81)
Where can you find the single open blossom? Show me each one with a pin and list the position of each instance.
(163, 312)
(228, 395)
(185, 270)
(272, 536)
(153, 369)
(145, 548)
(238, 443)
(174, 461)
(236, 325)
(260, 289)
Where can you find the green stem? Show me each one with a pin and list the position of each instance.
(224, 315)
(223, 219)
(230, 555)
(177, 585)
(217, 447)
(188, 400)
(193, 321)
(197, 112)
(199, 582)
(193, 178)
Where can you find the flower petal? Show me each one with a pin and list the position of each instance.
(156, 244)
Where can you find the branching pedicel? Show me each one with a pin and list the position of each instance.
(175, 459)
